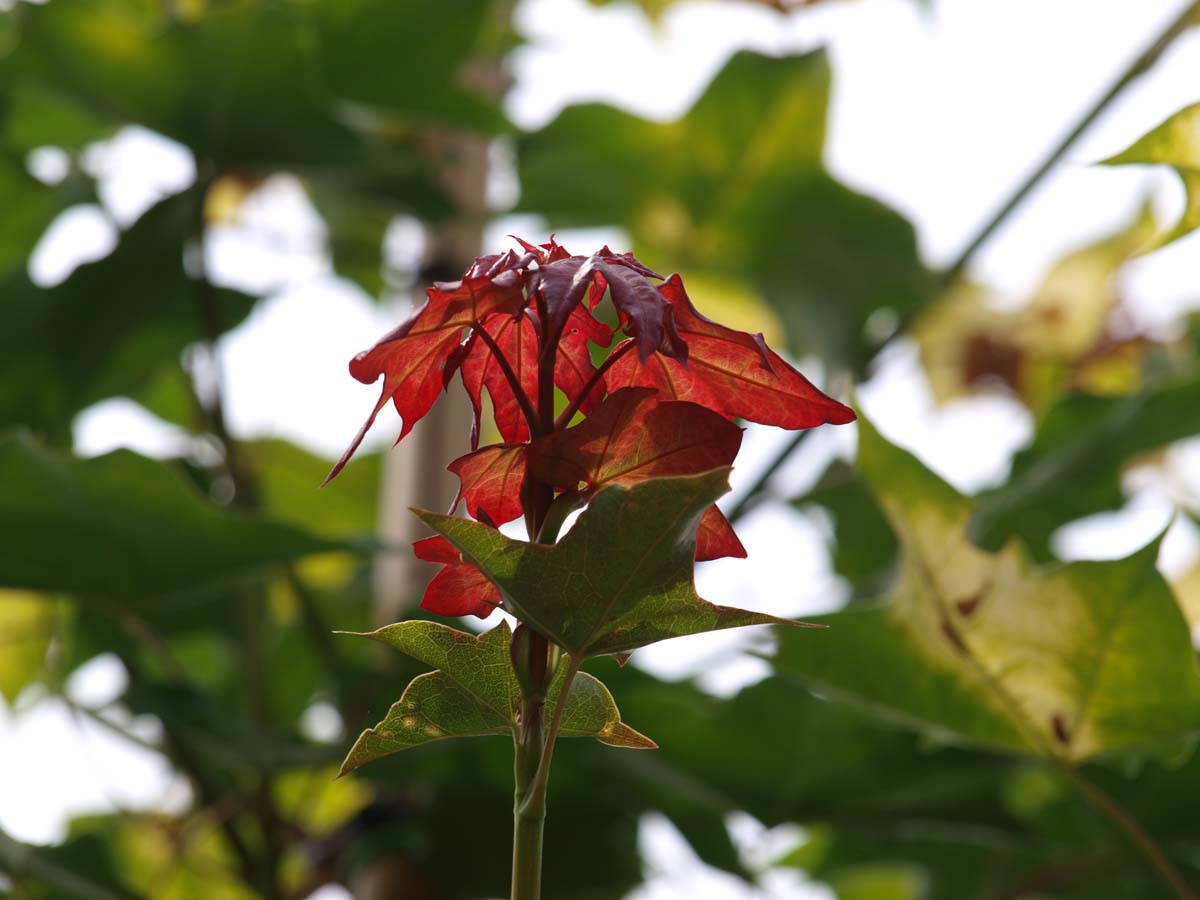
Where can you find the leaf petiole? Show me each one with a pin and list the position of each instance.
(531, 416)
(563, 420)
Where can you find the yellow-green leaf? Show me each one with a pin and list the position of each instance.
(1176, 143)
(26, 626)
(473, 691)
(1070, 661)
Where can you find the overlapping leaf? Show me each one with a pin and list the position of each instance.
(633, 437)
(622, 576)
(563, 283)
(573, 370)
(1071, 661)
(474, 691)
(516, 339)
(62, 350)
(1073, 467)
(459, 589)
(415, 360)
(492, 478)
(730, 371)
(125, 526)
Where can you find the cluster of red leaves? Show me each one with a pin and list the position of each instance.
(520, 325)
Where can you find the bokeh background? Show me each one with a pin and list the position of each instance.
(209, 206)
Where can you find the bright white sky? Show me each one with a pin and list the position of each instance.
(938, 111)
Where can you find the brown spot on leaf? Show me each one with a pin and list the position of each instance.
(988, 360)
(954, 637)
(967, 608)
(1058, 725)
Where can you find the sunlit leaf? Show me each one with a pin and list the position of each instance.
(27, 624)
(729, 371)
(492, 478)
(415, 359)
(1070, 661)
(1059, 340)
(459, 589)
(516, 339)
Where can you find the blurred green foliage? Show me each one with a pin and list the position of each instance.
(216, 579)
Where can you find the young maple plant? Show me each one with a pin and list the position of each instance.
(648, 459)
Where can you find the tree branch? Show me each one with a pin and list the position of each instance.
(1144, 61)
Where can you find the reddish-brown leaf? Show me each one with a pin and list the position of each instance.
(517, 340)
(491, 481)
(573, 368)
(413, 358)
(715, 538)
(730, 371)
(459, 589)
(643, 310)
(672, 380)
(633, 436)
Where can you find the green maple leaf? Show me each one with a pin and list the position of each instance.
(620, 579)
(474, 691)
(1069, 661)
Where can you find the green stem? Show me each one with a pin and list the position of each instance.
(528, 820)
(533, 774)
(1133, 831)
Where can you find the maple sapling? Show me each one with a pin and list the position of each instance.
(646, 461)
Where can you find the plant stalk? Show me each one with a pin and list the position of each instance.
(529, 819)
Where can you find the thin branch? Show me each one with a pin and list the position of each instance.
(955, 270)
(757, 491)
(565, 419)
(97, 716)
(531, 415)
(1132, 829)
(1144, 61)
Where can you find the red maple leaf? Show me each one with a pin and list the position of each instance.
(459, 589)
(730, 371)
(517, 342)
(520, 324)
(413, 358)
(633, 437)
(492, 478)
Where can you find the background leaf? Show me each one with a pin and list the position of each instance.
(126, 527)
(1073, 661)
